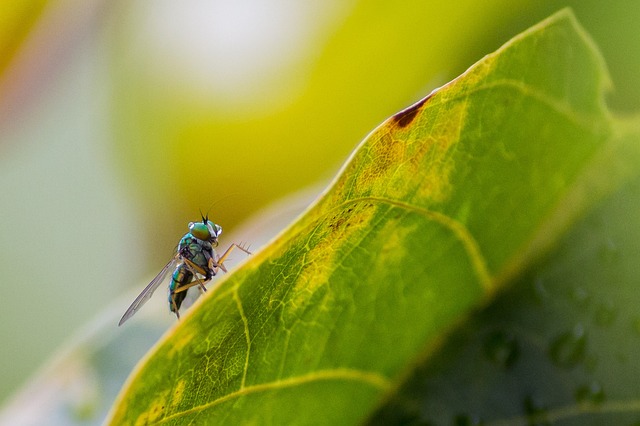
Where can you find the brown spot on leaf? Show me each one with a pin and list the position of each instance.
(406, 116)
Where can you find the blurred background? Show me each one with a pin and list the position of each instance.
(120, 121)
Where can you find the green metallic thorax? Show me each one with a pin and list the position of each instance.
(197, 251)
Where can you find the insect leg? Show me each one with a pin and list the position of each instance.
(195, 269)
(174, 305)
(188, 286)
(219, 263)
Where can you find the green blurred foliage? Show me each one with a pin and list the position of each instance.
(189, 146)
(187, 150)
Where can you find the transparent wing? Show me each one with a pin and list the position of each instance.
(148, 290)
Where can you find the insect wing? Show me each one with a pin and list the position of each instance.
(148, 291)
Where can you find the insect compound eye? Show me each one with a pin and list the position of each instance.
(200, 230)
(214, 229)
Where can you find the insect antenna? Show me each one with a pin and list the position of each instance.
(204, 218)
(218, 201)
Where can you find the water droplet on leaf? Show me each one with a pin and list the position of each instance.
(592, 393)
(606, 314)
(609, 252)
(580, 296)
(568, 349)
(465, 420)
(502, 348)
(540, 292)
(536, 413)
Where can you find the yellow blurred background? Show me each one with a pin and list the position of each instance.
(120, 121)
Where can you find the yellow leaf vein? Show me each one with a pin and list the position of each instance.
(372, 379)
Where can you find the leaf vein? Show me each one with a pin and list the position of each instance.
(562, 107)
(469, 243)
(236, 297)
(372, 379)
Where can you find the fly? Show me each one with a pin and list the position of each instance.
(195, 262)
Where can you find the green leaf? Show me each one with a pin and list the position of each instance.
(437, 213)
(559, 346)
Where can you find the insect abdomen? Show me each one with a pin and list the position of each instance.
(181, 277)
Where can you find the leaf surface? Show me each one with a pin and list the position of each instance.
(559, 346)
